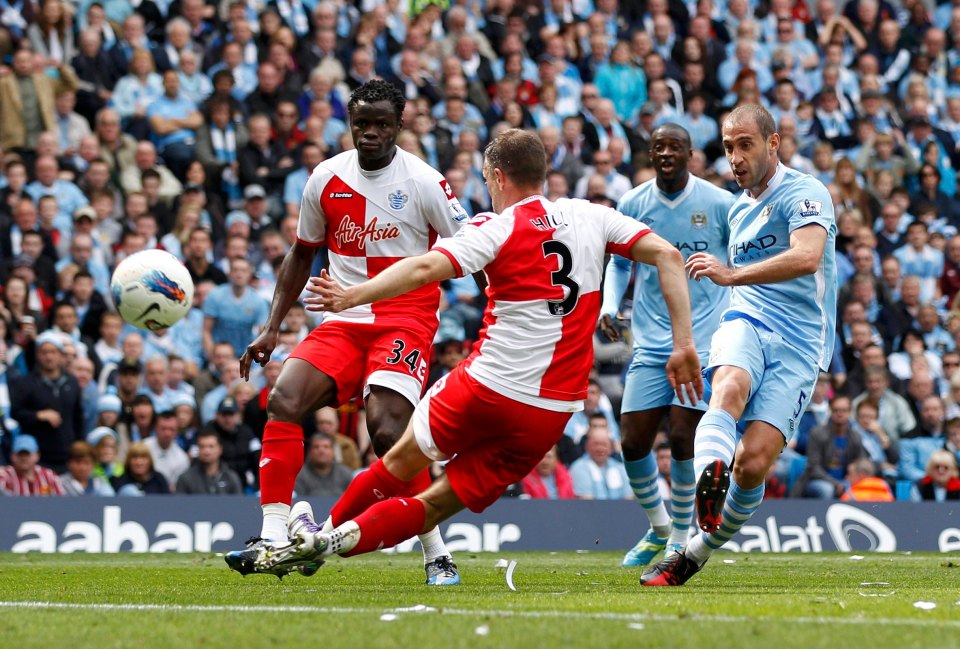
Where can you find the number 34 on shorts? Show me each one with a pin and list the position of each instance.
(414, 359)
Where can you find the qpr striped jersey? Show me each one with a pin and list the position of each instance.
(544, 263)
(369, 220)
(44, 483)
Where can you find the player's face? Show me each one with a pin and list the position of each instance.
(374, 128)
(669, 153)
(751, 158)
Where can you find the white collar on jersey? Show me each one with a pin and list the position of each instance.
(672, 203)
(777, 178)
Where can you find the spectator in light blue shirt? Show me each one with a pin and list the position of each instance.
(595, 475)
(622, 82)
(69, 197)
(194, 84)
(81, 254)
(233, 312)
(702, 128)
(174, 120)
(135, 92)
(918, 257)
(311, 154)
(244, 75)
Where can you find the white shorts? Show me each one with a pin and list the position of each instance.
(781, 377)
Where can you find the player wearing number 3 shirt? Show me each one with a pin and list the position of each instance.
(370, 207)
(497, 414)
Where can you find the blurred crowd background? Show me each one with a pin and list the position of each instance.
(192, 126)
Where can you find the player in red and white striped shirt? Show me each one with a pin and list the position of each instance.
(370, 207)
(500, 410)
(25, 476)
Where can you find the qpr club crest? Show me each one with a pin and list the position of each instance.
(698, 220)
(397, 200)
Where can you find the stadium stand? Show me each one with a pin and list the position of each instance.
(193, 125)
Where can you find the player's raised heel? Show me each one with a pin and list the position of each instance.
(644, 551)
(712, 490)
(301, 520)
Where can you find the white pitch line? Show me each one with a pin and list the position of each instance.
(503, 613)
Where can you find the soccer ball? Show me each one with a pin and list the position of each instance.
(151, 289)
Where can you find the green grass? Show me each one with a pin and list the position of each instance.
(562, 600)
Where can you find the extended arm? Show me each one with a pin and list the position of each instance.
(614, 286)
(293, 274)
(404, 276)
(802, 258)
(615, 283)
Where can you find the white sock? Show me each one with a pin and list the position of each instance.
(697, 549)
(275, 522)
(433, 545)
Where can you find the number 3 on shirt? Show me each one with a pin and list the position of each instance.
(414, 360)
(561, 277)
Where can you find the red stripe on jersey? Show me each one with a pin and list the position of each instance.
(447, 189)
(623, 249)
(521, 270)
(453, 260)
(417, 304)
(309, 244)
(489, 319)
(566, 376)
(348, 231)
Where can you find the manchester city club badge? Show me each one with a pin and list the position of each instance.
(765, 213)
(698, 220)
(397, 200)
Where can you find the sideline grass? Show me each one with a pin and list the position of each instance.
(562, 600)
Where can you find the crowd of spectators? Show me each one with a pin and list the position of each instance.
(193, 125)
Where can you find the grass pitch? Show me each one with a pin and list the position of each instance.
(562, 600)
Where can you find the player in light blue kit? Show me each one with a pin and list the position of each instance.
(691, 214)
(775, 337)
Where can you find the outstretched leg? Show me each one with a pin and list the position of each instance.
(388, 414)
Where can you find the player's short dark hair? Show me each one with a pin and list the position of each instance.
(674, 129)
(166, 414)
(378, 90)
(757, 114)
(83, 273)
(520, 156)
(149, 173)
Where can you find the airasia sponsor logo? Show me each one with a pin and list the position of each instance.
(349, 232)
